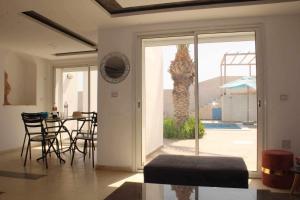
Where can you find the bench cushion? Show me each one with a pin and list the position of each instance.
(197, 171)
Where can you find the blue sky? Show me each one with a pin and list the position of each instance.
(209, 58)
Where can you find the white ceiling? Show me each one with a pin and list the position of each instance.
(19, 33)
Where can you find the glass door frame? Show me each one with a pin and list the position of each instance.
(88, 66)
(140, 76)
(139, 140)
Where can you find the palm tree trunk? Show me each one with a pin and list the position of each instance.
(182, 70)
(181, 103)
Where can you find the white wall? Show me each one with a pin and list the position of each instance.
(116, 117)
(283, 63)
(11, 125)
(154, 98)
(22, 80)
(235, 108)
(281, 58)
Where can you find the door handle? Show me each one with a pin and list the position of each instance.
(259, 103)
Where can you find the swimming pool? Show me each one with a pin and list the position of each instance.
(221, 126)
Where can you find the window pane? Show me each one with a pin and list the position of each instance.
(75, 89)
(93, 88)
(227, 95)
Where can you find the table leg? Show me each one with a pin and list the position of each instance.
(71, 139)
(57, 153)
(70, 135)
(296, 184)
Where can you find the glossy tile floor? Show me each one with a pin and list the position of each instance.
(64, 182)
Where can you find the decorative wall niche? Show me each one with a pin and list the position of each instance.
(19, 77)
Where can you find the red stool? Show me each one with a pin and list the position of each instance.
(276, 168)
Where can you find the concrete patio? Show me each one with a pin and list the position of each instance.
(217, 142)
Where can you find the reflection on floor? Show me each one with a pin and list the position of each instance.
(63, 182)
(22, 175)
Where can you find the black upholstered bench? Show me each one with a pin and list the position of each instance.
(197, 171)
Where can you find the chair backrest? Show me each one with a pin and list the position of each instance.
(89, 121)
(94, 122)
(33, 121)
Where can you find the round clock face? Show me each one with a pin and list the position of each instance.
(114, 67)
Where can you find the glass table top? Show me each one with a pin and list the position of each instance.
(146, 191)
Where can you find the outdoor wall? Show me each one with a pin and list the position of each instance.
(11, 125)
(154, 98)
(205, 112)
(209, 91)
(281, 41)
(234, 107)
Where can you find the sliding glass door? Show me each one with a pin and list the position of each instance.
(199, 96)
(227, 95)
(76, 88)
(93, 88)
(169, 106)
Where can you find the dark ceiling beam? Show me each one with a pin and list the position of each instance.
(59, 28)
(108, 5)
(75, 53)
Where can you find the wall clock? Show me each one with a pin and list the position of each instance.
(114, 67)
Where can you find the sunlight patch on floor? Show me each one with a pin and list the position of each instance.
(134, 178)
(242, 142)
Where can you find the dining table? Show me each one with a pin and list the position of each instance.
(61, 121)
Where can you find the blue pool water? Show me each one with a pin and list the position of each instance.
(221, 126)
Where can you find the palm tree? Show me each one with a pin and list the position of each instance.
(182, 192)
(182, 70)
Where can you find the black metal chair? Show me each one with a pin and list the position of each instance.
(36, 132)
(87, 133)
(55, 125)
